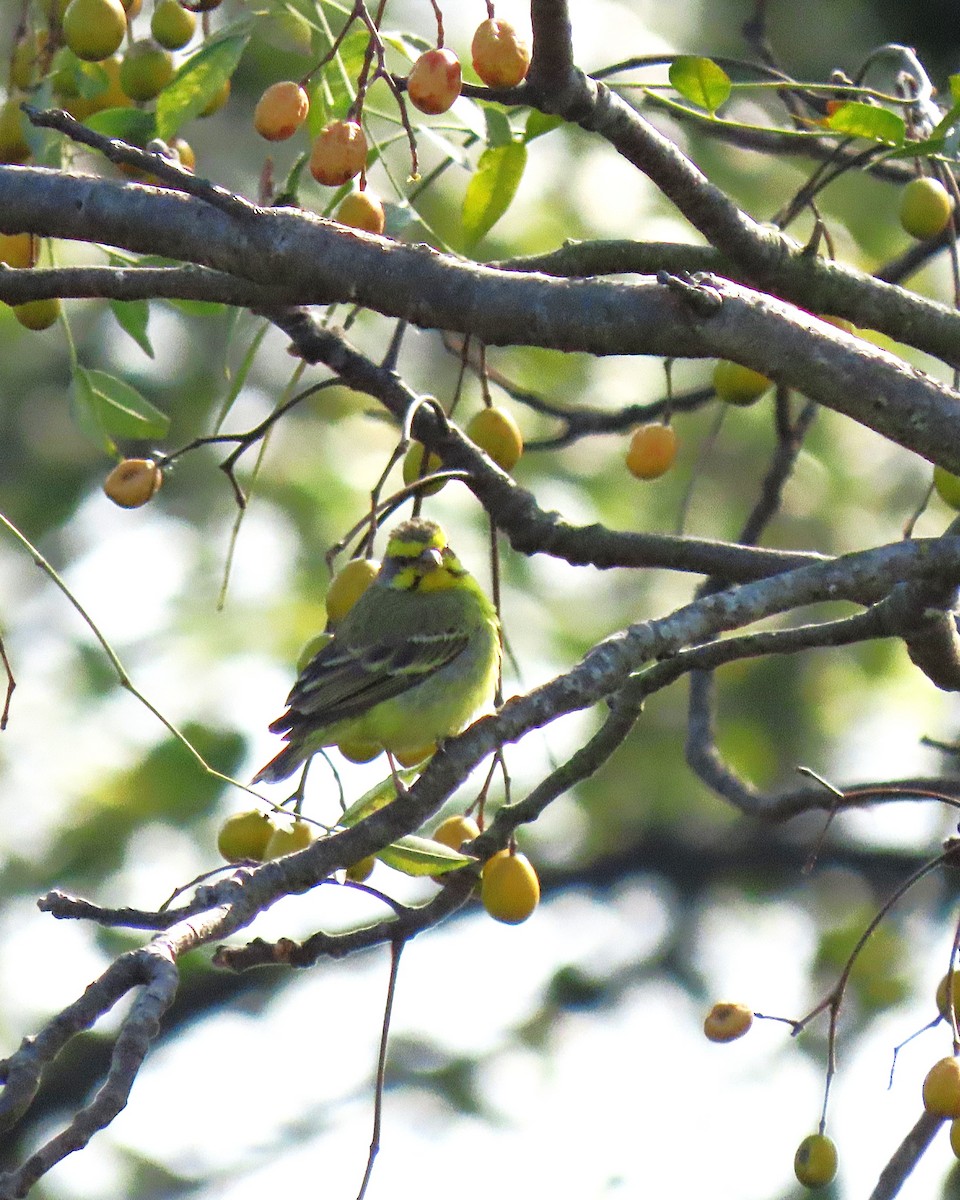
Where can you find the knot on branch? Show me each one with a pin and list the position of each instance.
(925, 616)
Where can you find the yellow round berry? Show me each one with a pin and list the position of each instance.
(244, 836)
(14, 147)
(413, 468)
(360, 752)
(338, 154)
(496, 433)
(348, 585)
(362, 210)
(941, 1088)
(815, 1163)
(500, 56)
(726, 1022)
(145, 70)
(38, 314)
(412, 758)
(510, 889)
(737, 384)
(172, 25)
(942, 1006)
(454, 831)
(651, 451)
(947, 486)
(360, 871)
(281, 110)
(27, 55)
(288, 841)
(955, 1138)
(925, 207)
(94, 29)
(311, 649)
(133, 482)
(18, 249)
(434, 81)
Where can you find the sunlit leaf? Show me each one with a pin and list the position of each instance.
(133, 125)
(867, 121)
(113, 408)
(499, 132)
(422, 856)
(539, 123)
(133, 316)
(376, 798)
(700, 81)
(492, 188)
(197, 82)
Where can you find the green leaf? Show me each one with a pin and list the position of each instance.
(376, 798)
(954, 82)
(109, 408)
(133, 316)
(422, 856)
(539, 123)
(700, 81)
(199, 79)
(492, 188)
(867, 121)
(198, 308)
(133, 125)
(499, 132)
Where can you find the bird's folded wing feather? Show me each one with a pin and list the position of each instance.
(344, 681)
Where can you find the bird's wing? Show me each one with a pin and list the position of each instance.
(343, 681)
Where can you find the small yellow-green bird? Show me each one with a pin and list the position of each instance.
(409, 664)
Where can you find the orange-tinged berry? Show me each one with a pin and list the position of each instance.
(947, 486)
(282, 841)
(184, 152)
(94, 29)
(500, 56)
(133, 482)
(413, 468)
(362, 210)
(361, 870)
(652, 451)
(145, 70)
(737, 384)
(338, 154)
(955, 1138)
(726, 1022)
(434, 81)
(925, 207)
(360, 752)
(510, 889)
(281, 110)
(38, 314)
(18, 249)
(244, 836)
(171, 25)
(454, 831)
(815, 1163)
(941, 1089)
(348, 585)
(496, 433)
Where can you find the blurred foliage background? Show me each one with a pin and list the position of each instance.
(542, 1052)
